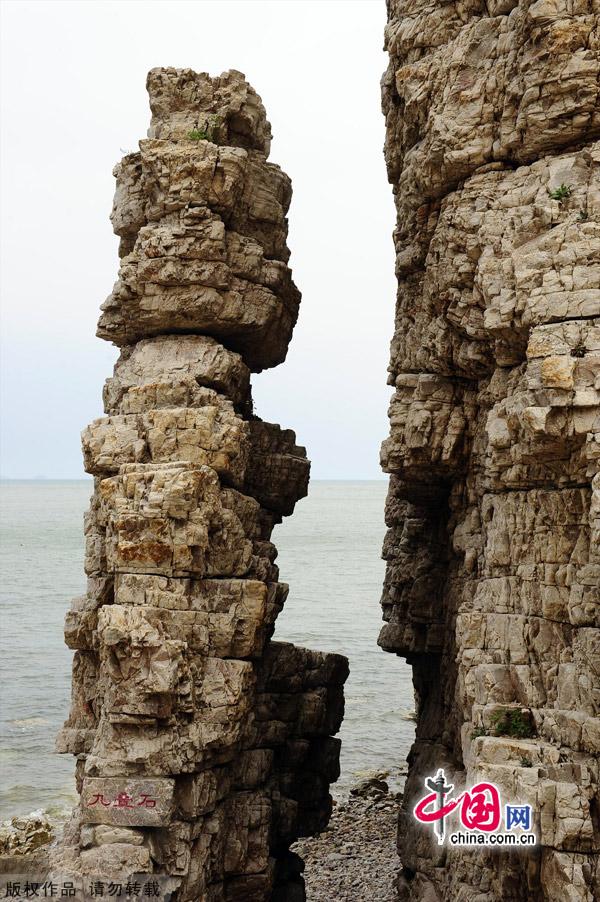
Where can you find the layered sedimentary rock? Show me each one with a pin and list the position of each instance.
(492, 590)
(204, 748)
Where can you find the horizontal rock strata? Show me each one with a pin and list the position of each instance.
(493, 550)
(204, 748)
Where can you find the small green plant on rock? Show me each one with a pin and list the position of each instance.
(512, 722)
(479, 731)
(209, 132)
(198, 134)
(583, 216)
(561, 193)
(526, 762)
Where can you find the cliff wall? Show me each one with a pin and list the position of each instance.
(492, 590)
(203, 747)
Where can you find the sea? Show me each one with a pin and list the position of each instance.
(329, 553)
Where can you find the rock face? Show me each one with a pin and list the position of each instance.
(23, 835)
(203, 748)
(493, 551)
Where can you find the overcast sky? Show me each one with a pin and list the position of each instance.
(74, 99)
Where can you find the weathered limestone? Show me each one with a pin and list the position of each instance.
(493, 574)
(203, 748)
(203, 234)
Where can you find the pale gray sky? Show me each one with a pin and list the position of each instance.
(74, 98)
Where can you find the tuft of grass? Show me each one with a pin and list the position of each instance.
(198, 134)
(561, 193)
(479, 731)
(578, 351)
(512, 722)
(526, 762)
(583, 216)
(209, 132)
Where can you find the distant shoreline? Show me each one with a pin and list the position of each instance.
(8, 479)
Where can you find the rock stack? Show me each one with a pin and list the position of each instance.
(203, 748)
(493, 551)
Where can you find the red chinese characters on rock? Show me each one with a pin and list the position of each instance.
(98, 800)
(122, 800)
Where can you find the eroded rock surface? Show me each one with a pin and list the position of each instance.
(492, 590)
(204, 748)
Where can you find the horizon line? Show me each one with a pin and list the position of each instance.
(91, 478)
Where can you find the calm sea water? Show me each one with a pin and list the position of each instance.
(329, 553)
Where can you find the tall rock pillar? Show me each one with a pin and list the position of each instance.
(203, 748)
(492, 590)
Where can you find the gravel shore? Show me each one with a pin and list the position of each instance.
(355, 858)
